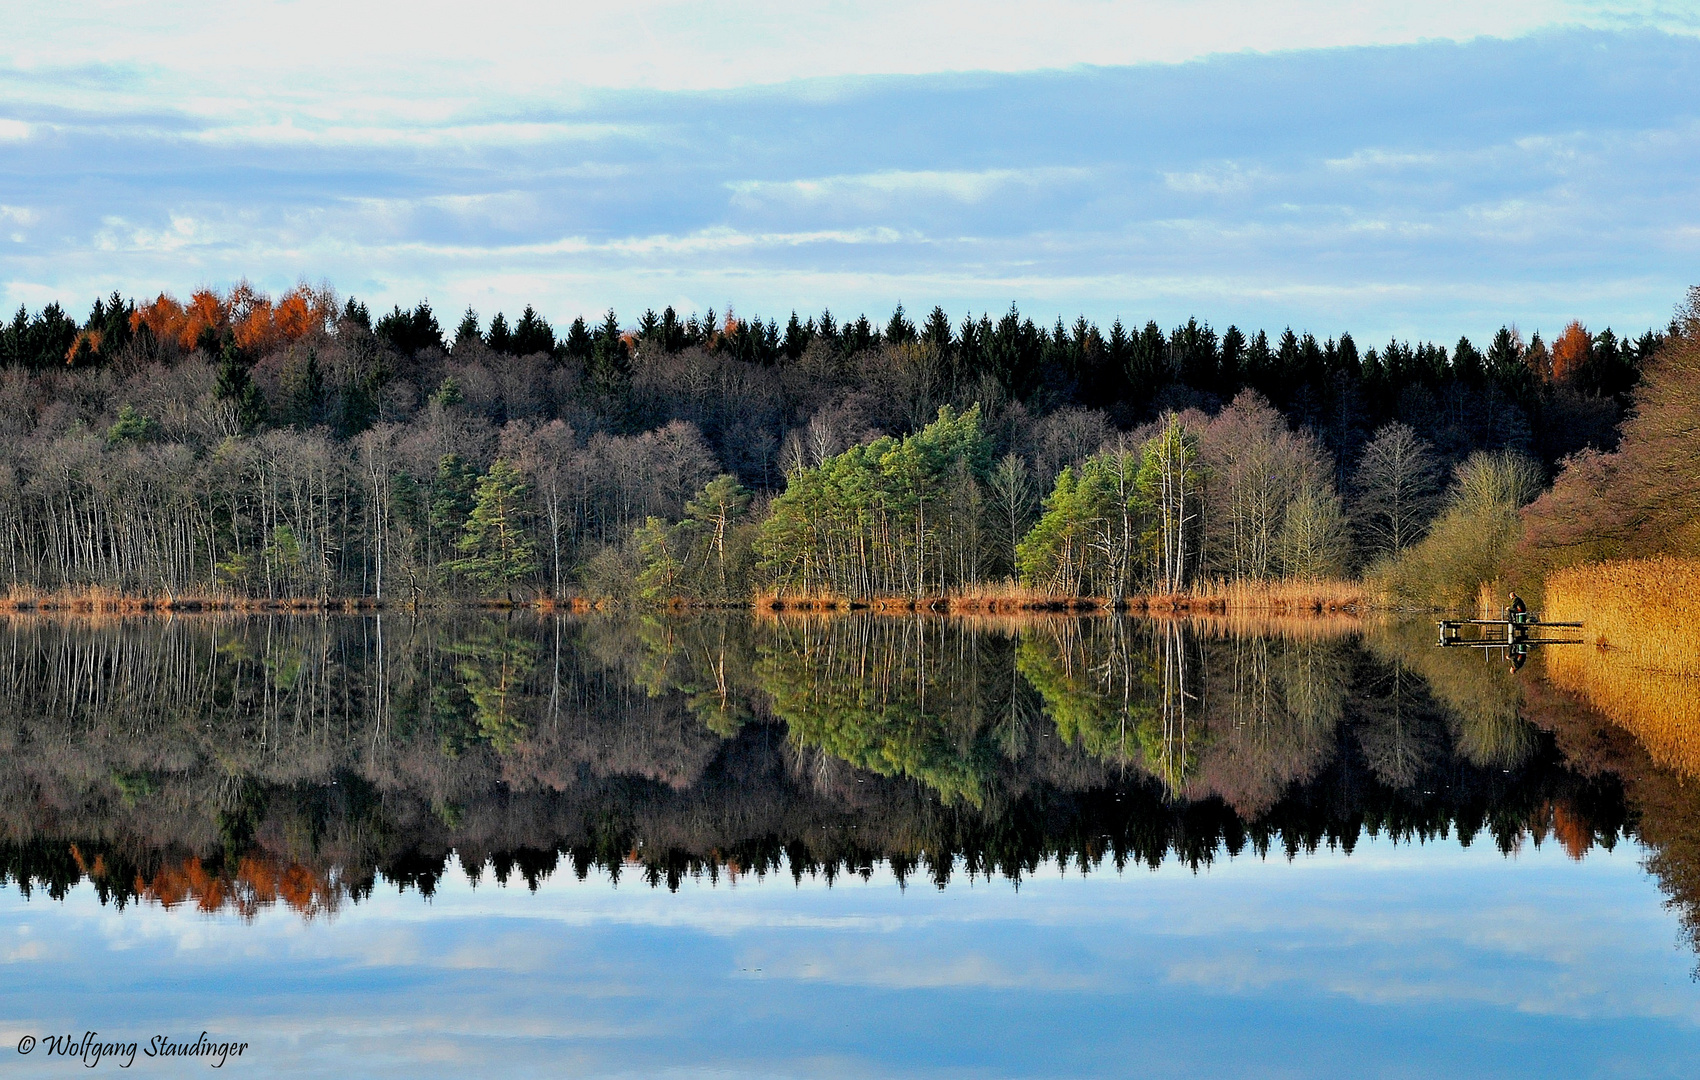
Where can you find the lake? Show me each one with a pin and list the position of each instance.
(830, 846)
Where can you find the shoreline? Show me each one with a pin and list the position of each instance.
(1330, 599)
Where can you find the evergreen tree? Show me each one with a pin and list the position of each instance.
(132, 427)
(303, 388)
(497, 549)
(936, 332)
(580, 344)
(501, 337)
(899, 330)
(611, 365)
(468, 331)
(532, 334)
(449, 504)
(235, 386)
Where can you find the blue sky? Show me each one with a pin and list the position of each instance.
(1408, 961)
(1332, 166)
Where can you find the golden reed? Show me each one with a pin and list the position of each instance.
(1641, 661)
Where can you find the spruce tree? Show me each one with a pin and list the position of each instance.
(496, 550)
(235, 386)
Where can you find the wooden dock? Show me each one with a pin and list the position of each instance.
(1504, 633)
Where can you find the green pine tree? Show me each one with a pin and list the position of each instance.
(235, 386)
(496, 551)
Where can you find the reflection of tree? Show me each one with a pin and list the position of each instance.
(493, 663)
(1397, 734)
(703, 660)
(1203, 712)
(1099, 682)
(229, 761)
(1484, 700)
(898, 697)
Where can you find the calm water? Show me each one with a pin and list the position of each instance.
(855, 847)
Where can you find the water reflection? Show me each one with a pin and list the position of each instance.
(242, 762)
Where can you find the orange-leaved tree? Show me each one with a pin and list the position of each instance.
(1570, 351)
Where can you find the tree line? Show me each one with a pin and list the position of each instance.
(301, 446)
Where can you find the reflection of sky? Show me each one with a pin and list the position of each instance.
(1397, 961)
(1411, 177)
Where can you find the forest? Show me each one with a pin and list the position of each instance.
(301, 448)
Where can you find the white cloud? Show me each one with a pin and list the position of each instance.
(883, 187)
(1228, 178)
(340, 71)
(13, 130)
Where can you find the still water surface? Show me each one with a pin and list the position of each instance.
(850, 847)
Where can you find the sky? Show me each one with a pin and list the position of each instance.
(1398, 960)
(1419, 170)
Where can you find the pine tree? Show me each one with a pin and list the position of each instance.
(468, 329)
(303, 388)
(497, 552)
(610, 367)
(235, 386)
(715, 511)
(449, 503)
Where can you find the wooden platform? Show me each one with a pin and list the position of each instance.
(1504, 633)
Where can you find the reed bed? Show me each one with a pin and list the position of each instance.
(1641, 664)
(1647, 610)
(1295, 597)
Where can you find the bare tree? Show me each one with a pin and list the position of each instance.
(1396, 490)
(1013, 494)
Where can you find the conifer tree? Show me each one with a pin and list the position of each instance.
(497, 550)
(235, 386)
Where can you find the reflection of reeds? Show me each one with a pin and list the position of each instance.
(1641, 665)
(1269, 624)
(1266, 598)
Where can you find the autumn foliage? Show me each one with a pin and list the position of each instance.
(1644, 498)
(1570, 351)
(259, 882)
(248, 315)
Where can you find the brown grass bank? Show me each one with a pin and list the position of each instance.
(1641, 661)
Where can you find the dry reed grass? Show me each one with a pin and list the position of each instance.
(1641, 663)
(1647, 610)
(1286, 597)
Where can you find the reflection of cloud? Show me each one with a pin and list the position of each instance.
(879, 964)
(493, 134)
(27, 950)
(591, 979)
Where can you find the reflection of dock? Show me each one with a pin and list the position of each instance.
(1507, 633)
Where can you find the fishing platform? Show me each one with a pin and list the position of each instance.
(1509, 632)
